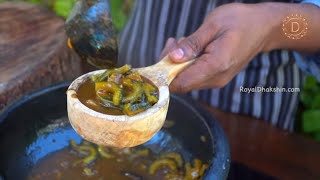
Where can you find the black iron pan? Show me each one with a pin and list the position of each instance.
(37, 125)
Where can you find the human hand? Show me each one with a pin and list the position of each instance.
(224, 44)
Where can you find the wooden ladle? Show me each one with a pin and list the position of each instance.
(122, 130)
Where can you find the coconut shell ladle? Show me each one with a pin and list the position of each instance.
(122, 130)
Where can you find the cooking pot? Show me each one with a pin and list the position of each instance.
(37, 125)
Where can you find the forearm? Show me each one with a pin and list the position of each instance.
(276, 13)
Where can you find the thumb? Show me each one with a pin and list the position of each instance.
(192, 46)
(170, 44)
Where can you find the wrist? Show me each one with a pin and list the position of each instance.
(273, 15)
(277, 13)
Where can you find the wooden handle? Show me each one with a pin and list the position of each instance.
(170, 68)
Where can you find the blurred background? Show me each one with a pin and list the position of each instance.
(308, 114)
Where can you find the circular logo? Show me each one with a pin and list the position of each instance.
(295, 26)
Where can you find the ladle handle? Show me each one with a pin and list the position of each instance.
(170, 68)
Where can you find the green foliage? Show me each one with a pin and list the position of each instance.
(311, 120)
(35, 1)
(317, 136)
(63, 7)
(118, 14)
(310, 98)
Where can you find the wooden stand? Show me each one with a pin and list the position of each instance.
(33, 51)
